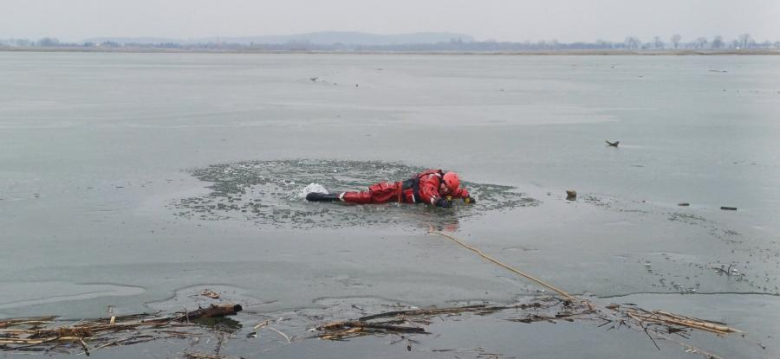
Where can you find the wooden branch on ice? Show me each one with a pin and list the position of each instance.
(211, 311)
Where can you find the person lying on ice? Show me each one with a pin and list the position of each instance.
(432, 187)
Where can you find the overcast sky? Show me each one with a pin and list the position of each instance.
(502, 20)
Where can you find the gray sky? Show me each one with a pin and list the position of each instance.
(503, 20)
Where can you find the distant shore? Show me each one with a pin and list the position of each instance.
(520, 53)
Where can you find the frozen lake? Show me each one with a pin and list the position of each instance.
(135, 180)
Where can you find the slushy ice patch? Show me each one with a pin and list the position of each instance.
(273, 192)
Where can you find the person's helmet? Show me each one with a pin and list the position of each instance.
(451, 180)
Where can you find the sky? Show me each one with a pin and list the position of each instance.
(500, 20)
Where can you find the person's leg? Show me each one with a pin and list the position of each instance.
(385, 192)
(349, 197)
(376, 194)
(322, 197)
(356, 197)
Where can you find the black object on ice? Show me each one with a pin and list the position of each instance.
(613, 144)
(322, 197)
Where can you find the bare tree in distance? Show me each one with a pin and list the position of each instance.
(633, 42)
(717, 42)
(48, 42)
(658, 43)
(745, 40)
(701, 42)
(676, 40)
(602, 44)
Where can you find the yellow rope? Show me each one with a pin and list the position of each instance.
(483, 255)
(669, 317)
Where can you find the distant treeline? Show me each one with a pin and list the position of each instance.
(675, 42)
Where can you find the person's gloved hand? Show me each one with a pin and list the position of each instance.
(470, 200)
(444, 203)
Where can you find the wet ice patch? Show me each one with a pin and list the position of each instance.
(269, 193)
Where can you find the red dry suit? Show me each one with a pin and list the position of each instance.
(422, 188)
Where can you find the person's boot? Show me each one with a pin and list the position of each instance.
(322, 197)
